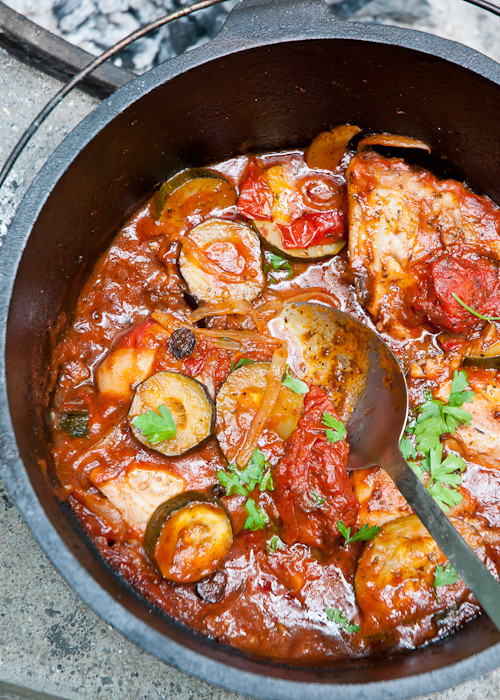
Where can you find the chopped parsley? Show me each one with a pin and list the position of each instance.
(257, 473)
(294, 384)
(257, 517)
(436, 418)
(274, 544)
(156, 427)
(336, 615)
(279, 264)
(241, 363)
(335, 429)
(475, 313)
(444, 576)
(364, 533)
(244, 481)
(317, 500)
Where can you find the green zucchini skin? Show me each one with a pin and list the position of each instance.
(484, 361)
(179, 390)
(177, 181)
(75, 423)
(159, 520)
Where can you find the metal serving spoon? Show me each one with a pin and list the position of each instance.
(366, 382)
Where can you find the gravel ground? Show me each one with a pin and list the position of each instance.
(95, 25)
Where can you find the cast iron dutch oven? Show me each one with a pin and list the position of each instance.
(279, 72)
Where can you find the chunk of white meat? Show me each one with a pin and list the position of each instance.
(123, 369)
(139, 492)
(479, 441)
(399, 215)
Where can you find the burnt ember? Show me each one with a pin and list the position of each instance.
(95, 25)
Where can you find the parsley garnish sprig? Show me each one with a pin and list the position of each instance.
(444, 576)
(364, 533)
(436, 418)
(335, 429)
(257, 473)
(156, 427)
(278, 264)
(294, 384)
(242, 362)
(336, 615)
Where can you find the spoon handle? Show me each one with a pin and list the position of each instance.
(473, 572)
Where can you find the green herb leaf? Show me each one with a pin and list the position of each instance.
(279, 263)
(294, 384)
(336, 615)
(266, 483)
(156, 427)
(257, 517)
(317, 500)
(244, 481)
(232, 483)
(242, 362)
(407, 448)
(444, 576)
(272, 280)
(435, 419)
(336, 429)
(364, 533)
(274, 544)
(444, 474)
(460, 390)
(476, 313)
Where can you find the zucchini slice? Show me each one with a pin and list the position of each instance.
(222, 260)
(271, 237)
(485, 351)
(194, 191)
(238, 401)
(75, 423)
(189, 404)
(188, 537)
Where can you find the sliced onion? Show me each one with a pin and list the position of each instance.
(167, 320)
(242, 308)
(207, 264)
(276, 371)
(102, 508)
(313, 293)
(394, 140)
(225, 344)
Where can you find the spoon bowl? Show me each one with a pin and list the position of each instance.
(366, 383)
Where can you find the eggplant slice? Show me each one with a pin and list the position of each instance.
(189, 404)
(188, 537)
(222, 260)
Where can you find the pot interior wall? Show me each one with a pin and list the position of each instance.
(264, 98)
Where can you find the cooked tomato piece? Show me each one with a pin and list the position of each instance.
(256, 198)
(472, 277)
(313, 229)
(312, 489)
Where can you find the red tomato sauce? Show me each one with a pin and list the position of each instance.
(269, 597)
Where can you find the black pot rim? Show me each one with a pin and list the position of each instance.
(13, 469)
